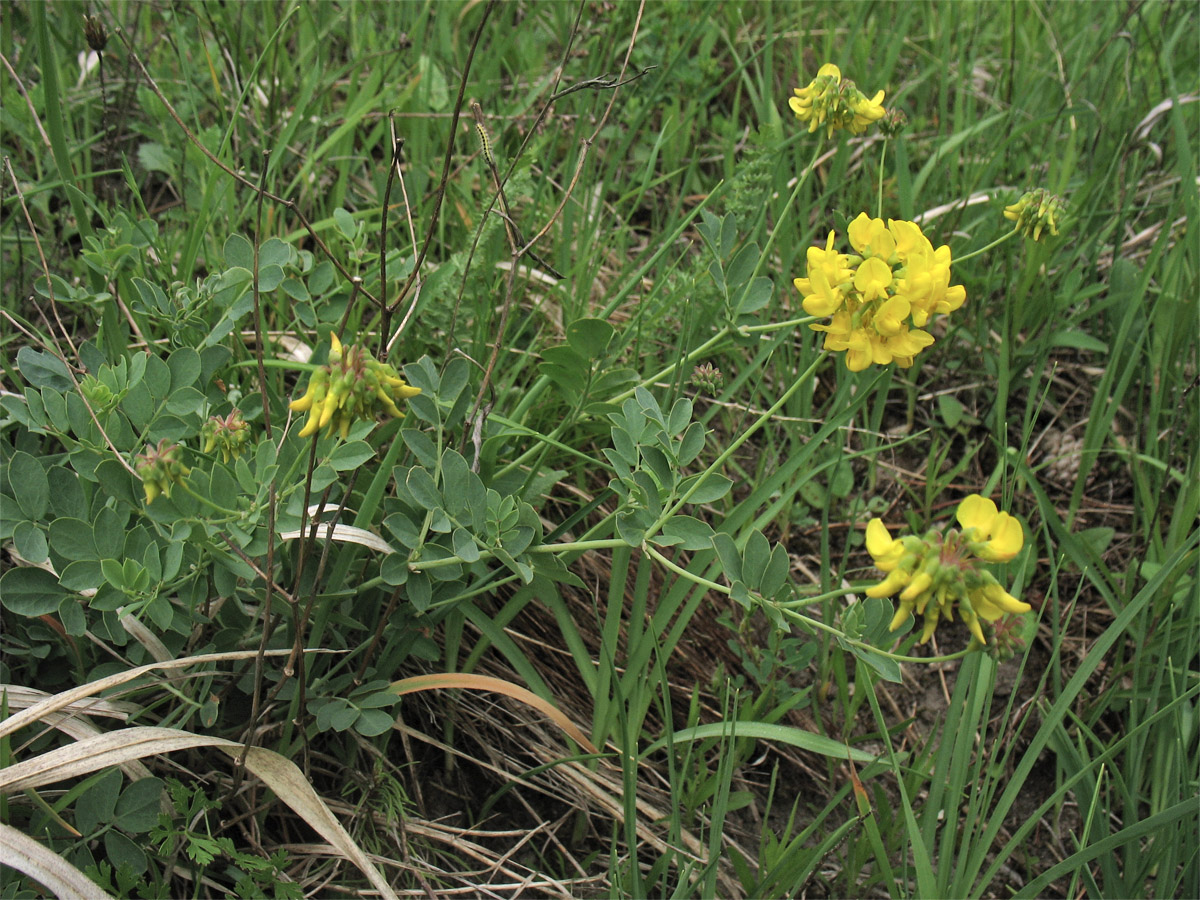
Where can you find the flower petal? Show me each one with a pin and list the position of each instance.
(976, 511)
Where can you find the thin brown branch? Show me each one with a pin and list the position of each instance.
(54, 308)
(440, 193)
(290, 205)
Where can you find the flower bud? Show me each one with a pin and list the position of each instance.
(1035, 211)
(707, 378)
(160, 467)
(353, 386)
(229, 435)
(95, 33)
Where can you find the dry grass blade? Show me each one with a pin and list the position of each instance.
(21, 697)
(279, 774)
(74, 722)
(66, 698)
(346, 534)
(500, 686)
(46, 867)
(128, 745)
(289, 783)
(98, 752)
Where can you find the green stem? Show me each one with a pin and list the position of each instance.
(717, 463)
(668, 370)
(544, 382)
(853, 642)
(996, 243)
(651, 551)
(776, 326)
(879, 195)
(566, 547)
(766, 251)
(682, 572)
(229, 512)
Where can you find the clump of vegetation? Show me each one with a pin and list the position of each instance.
(522, 439)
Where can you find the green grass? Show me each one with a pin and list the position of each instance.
(752, 743)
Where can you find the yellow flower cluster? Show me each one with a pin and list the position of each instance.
(353, 386)
(881, 296)
(160, 467)
(836, 104)
(938, 573)
(1035, 211)
(230, 435)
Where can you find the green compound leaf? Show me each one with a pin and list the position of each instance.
(274, 252)
(776, 573)
(138, 807)
(30, 542)
(344, 718)
(868, 622)
(741, 594)
(691, 444)
(373, 722)
(419, 590)
(82, 575)
(404, 529)
(757, 295)
(95, 806)
(66, 494)
(184, 366)
(456, 481)
(394, 569)
(743, 264)
(269, 278)
(70, 611)
(465, 547)
(421, 445)
(631, 528)
(157, 377)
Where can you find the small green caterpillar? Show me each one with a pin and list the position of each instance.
(485, 143)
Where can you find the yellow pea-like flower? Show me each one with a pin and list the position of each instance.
(352, 386)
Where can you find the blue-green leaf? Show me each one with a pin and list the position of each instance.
(29, 591)
(29, 485)
(589, 337)
(465, 547)
(72, 538)
(727, 552)
(42, 370)
(351, 455)
(424, 491)
(714, 488)
(239, 252)
(688, 532)
(184, 365)
(755, 559)
(30, 542)
(138, 807)
(421, 445)
(373, 722)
